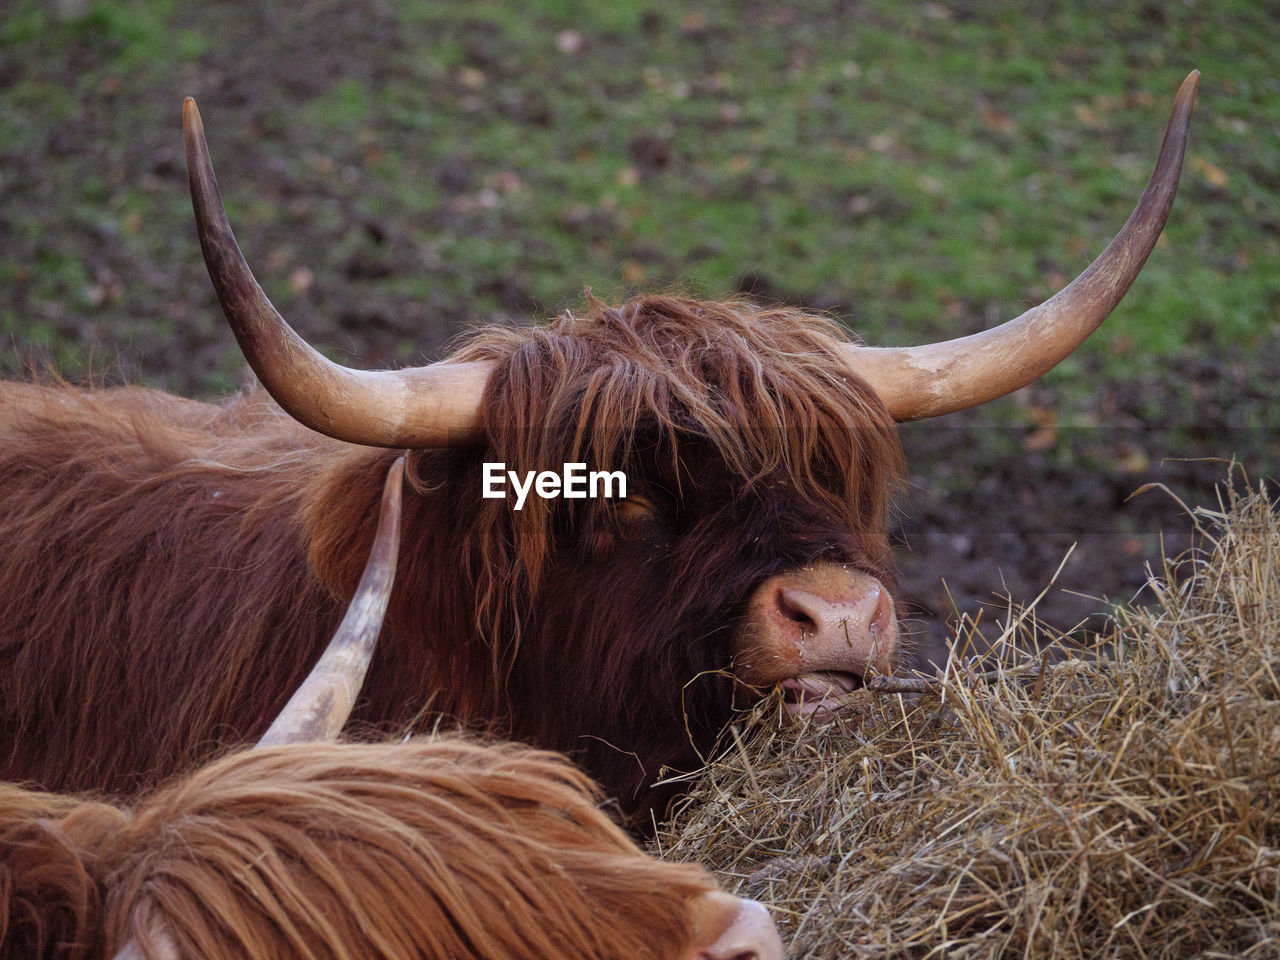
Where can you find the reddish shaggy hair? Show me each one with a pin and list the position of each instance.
(224, 541)
(428, 849)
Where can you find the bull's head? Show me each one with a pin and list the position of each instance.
(814, 613)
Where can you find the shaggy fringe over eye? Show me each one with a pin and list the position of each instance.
(767, 387)
(426, 849)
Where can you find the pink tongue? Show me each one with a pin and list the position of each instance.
(817, 686)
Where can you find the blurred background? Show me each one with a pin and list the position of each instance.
(399, 171)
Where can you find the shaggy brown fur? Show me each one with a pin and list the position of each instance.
(429, 849)
(222, 541)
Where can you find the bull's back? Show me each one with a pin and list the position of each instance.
(154, 594)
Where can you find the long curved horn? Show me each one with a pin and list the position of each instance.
(319, 708)
(938, 378)
(433, 406)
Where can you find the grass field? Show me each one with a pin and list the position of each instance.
(397, 171)
(918, 171)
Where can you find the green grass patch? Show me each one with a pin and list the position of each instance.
(921, 171)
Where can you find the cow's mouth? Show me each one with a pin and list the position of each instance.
(822, 690)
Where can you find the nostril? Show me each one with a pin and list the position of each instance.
(882, 619)
(792, 606)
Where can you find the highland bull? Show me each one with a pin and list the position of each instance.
(302, 849)
(172, 568)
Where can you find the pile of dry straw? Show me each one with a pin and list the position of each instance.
(1119, 802)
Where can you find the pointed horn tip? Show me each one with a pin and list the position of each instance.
(1187, 92)
(391, 489)
(192, 130)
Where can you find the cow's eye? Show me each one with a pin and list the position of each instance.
(635, 509)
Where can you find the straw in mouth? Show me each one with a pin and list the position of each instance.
(808, 693)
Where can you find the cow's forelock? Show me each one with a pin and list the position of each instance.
(768, 388)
